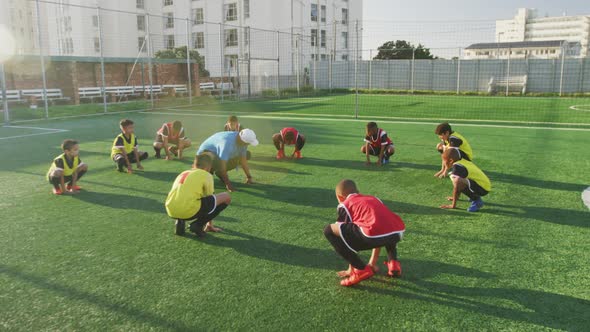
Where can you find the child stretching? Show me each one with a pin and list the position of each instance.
(377, 144)
(192, 198)
(67, 168)
(364, 223)
(467, 179)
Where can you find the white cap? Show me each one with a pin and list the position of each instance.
(249, 136)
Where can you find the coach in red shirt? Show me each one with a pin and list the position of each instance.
(364, 223)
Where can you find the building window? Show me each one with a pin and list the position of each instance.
(246, 36)
(323, 13)
(198, 16)
(231, 37)
(140, 4)
(345, 57)
(231, 60)
(345, 40)
(323, 38)
(198, 39)
(140, 22)
(96, 44)
(140, 44)
(314, 37)
(168, 20)
(168, 2)
(344, 16)
(169, 42)
(231, 12)
(95, 21)
(324, 57)
(246, 8)
(314, 12)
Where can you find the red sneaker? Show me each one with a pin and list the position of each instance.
(357, 276)
(280, 154)
(298, 155)
(57, 191)
(76, 187)
(394, 267)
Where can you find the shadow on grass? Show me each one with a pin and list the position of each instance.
(157, 175)
(270, 250)
(268, 168)
(546, 214)
(137, 315)
(123, 202)
(536, 307)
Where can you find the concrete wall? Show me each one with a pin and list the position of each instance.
(445, 75)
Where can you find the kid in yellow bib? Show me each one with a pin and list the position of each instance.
(451, 139)
(124, 151)
(67, 168)
(192, 198)
(467, 179)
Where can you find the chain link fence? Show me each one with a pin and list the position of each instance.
(88, 60)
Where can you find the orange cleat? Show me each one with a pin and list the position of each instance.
(76, 187)
(297, 155)
(357, 276)
(394, 267)
(280, 154)
(57, 191)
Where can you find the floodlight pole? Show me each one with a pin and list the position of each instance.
(150, 69)
(508, 73)
(413, 70)
(279, 64)
(563, 50)
(102, 74)
(188, 62)
(4, 99)
(42, 57)
(356, 81)
(221, 57)
(459, 71)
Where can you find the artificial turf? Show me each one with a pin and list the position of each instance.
(107, 259)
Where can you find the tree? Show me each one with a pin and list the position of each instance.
(180, 53)
(401, 49)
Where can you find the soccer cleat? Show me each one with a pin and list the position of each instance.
(196, 230)
(298, 155)
(180, 227)
(394, 268)
(475, 205)
(385, 161)
(76, 188)
(57, 191)
(357, 276)
(280, 154)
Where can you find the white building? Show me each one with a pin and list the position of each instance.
(551, 49)
(17, 16)
(326, 28)
(528, 26)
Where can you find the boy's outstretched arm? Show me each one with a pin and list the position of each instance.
(246, 168)
(456, 193)
(367, 147)
(136, 153)
(222, 173)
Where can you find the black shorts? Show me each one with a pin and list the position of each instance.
(208, 204)
(355, 239)
(67, 179)
(475, 188)
(376, 151)
(131, 157)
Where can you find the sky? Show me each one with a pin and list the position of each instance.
(446, 26)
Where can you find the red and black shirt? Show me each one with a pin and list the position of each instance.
(371, 215)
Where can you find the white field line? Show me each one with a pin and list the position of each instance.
(359, 120)
(586, 197)
(585, 108)
(48, 131)
(380, 117)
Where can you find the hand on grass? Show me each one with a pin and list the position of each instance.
(379, 163)
(450, 198)
(139, 166)
(129, 170)
(447, 207)
(230, 187)
(249, 180)
(367, 163)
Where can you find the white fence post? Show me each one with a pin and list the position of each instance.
(42, 57)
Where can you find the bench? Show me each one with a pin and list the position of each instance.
(12, 96)
(179, 89)
(154, 89)
(225, 86)
(121, 91)
(207, 86)
(514, 83)
(53, 95)
(90, 93)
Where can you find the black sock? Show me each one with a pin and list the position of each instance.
(343, 250)
(157, 152)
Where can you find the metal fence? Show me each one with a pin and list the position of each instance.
(88, 59)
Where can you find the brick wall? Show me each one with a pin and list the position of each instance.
(71, 75)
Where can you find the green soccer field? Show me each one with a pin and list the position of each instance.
(107, 259)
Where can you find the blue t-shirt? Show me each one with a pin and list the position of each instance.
(224, 146)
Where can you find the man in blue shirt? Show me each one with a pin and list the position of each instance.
(228, 149)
